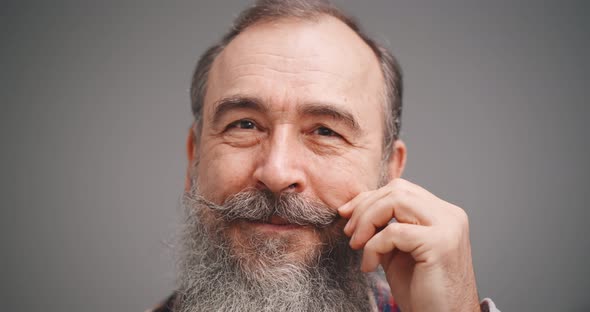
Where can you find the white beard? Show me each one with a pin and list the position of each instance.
(213, 277)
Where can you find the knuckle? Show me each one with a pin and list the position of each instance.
(462, 217)
(358, 198)
(400, 189)
(396, 183)
(370, 246)
(401, 181)
(394, 229)
(363, 218)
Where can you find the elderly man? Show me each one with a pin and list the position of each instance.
(293, 195)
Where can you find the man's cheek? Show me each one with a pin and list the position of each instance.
(223, 174)
(340, 182)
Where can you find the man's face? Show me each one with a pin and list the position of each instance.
(291, 106)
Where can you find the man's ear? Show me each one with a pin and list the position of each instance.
(397, 159)
(191, 151)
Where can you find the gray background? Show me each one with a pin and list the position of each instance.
(95, 111)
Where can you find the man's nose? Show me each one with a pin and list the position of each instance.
(280, 167)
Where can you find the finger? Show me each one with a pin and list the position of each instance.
(397, 187)
(378, 215)
(357, 207)
(408, 238)
(346, 210)
(405, 207)
(417, 202)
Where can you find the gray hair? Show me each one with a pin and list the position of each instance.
(268, 10)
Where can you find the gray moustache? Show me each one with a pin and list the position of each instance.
(261, 205)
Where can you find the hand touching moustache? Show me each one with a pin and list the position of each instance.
(425, 253)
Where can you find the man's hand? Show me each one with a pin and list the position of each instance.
(426, 254)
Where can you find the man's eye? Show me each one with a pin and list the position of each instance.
(323, 131)
(242, 124)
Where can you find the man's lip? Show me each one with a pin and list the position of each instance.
(275, 224)
(276, 220)
(275, 227)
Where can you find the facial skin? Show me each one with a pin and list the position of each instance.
(293, 106)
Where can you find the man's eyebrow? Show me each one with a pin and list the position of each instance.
(236, 102)
(330, 110)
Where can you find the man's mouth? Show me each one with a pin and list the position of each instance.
(275, 223)
(276, 220)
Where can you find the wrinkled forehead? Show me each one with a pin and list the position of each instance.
(299, 60)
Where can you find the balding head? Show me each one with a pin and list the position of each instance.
(269, 10)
